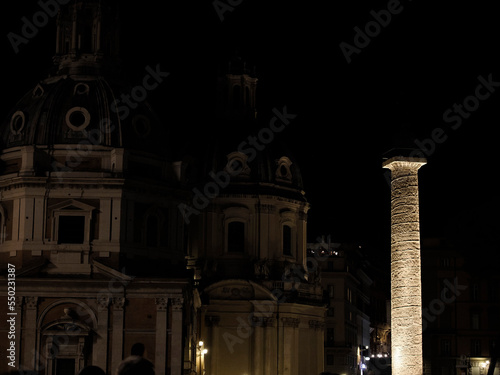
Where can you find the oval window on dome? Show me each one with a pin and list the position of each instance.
(17, 122)
(283, 172)
(38, 91)
(77, 118)
(81, 89)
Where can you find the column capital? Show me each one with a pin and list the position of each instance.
(19, 302)
(102, 303)
(404, 162)
(177, 304)
(269, 322)
(31, 302)
(316, 324)
(290, 322)
(118, 303)
(161, 303)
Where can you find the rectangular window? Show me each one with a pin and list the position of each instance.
(349, 294)
(152, 230)
(475, 320)
(64, 366)
(236, 237)
(475, 347)
(445, 347)
(445, 262)
(287, 240)
(330, 360)
(71, 229)
(475, 291)
(493, 290)
(331, 291)
(330, 338)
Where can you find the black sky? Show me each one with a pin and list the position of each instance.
(427, 58)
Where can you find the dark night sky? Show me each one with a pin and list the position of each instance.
(426, 59)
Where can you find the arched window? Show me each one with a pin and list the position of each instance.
(247, 97)
(236, 96)
(152, 231)
(287, 240)
(236, 237)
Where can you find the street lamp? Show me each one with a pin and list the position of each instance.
(202, 351)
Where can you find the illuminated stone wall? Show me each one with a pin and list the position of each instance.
(406, 294)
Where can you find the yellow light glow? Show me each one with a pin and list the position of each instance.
(200, 344)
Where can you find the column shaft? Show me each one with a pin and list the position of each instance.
(406, 293)
(161, 336)
(176, 343)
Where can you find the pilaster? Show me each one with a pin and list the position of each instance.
(117, 334)
(176, 344)
(161, 335)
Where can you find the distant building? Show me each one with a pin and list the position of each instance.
(347, 285)
(461, 310)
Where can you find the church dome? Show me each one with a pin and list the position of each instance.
(241, 147)
(250, 166)
(84, 100)
(74, 109)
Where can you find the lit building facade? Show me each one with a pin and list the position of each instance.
(262, 310)
(89, 218)
(114, 241)
(347, 294)
(460, 311)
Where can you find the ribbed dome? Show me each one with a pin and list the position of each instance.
(75, 109)
(266, 169)
(83, 102)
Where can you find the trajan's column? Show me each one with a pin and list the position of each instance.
(406, 293)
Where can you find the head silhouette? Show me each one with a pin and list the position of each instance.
(138, 349)
(92, 370)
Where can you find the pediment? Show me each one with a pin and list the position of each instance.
(71, 205)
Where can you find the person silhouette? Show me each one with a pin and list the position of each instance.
(136, 363)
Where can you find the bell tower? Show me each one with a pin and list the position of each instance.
(237, 87)
(87, 37)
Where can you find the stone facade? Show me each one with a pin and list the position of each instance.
(112, 245)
